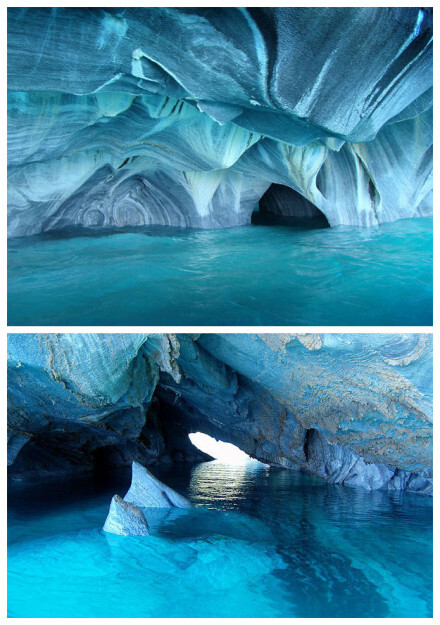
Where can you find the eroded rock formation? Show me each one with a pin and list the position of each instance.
(146, 491)
(125, 519)
(351, 408)
(89, 394)
(186, 116)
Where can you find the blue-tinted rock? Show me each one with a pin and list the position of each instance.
(125, 519)
(84, 393)
(146, 491)
(138, 116)
(354, 409)
(349, 408)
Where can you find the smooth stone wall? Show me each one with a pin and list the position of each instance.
(131, 117)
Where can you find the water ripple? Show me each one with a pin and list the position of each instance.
(256, 275)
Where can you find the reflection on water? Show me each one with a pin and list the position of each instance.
(258, 542)
(265, 275)
(228, 484)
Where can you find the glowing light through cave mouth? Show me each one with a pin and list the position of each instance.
(225, 452)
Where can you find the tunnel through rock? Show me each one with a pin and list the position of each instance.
(219, 450)
(281, 205)
(351, 409)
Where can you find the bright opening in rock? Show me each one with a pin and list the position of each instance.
(226, 452)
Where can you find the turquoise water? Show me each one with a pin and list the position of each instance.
(259, 542)
(254, 275)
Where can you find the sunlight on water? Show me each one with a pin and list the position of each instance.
(259, 542)
(255, 275)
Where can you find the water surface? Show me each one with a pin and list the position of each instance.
(254, 275)
(259, 542)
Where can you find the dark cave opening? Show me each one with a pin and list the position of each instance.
(282, 206)
(106, 458)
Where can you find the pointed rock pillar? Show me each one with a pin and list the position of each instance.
(125, 519)
(146, 491)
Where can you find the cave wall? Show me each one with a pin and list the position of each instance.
(137, 116)
(77, 400)
(350, 408)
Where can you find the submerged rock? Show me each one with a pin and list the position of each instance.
(147, 491)
(125, 519)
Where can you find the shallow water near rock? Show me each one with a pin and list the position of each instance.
(253, 275)
(259, 542)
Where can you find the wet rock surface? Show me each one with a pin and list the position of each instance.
(136, 116)
(354, 409)
(146, 491)
(125, 519)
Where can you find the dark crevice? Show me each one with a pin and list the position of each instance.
(124, 163)
(281, 205)
(306, 448)
(168, 499)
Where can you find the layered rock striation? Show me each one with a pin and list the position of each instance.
(186, 116)
(125, 519)
(354, 409)
(77, 400)
(146, 491)
(125, 516)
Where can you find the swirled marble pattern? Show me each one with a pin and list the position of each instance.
(351, 408)
(186, 116)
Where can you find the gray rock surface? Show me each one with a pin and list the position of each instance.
(354, 409)
(125, 519)
(146, 491)
(137, 116)
(91, 395)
